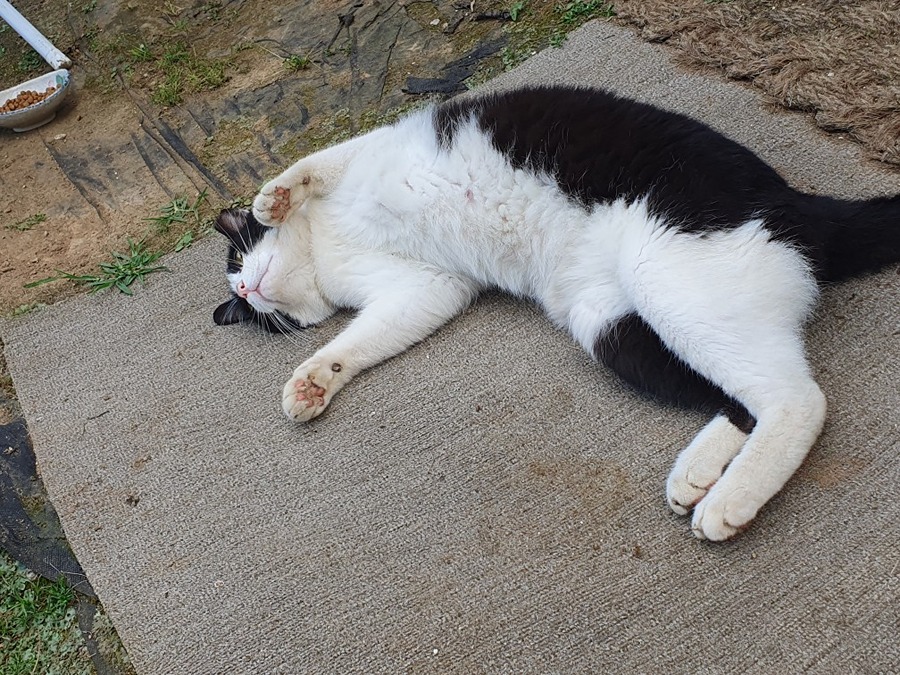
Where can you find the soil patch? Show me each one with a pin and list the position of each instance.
(176, 100)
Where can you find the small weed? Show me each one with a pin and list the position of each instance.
(30, 61)
(140, 54)
(511, 57)
(21, 310)
(169, 92)
(213, 10)
(557, 39)
(580, 11)
(27, 223)
(206, 75)
(89, 7)
(295, 62)
(38, 626)
(240, 203)
(184, 241)
(179, 210)
(516, 9)
(175, 55)
(120, 273)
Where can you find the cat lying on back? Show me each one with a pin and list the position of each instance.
(670, 253)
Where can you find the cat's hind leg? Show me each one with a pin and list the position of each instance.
(731, 305)
(631, 349)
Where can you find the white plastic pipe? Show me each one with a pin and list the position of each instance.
(32, 36)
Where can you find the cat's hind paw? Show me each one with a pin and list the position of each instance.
(310, 390)
(722, 514)
(702, 463)
(683, 494)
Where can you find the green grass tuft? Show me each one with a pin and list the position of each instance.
(141, 53)
(120, 273)
(27, 223)
(38, 627)
(579, 11)
(184, 72)
(179, 210)
(295, 62)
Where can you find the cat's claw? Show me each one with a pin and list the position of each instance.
(310, 390)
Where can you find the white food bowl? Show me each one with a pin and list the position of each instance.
(39, 113)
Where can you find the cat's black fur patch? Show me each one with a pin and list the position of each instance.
(600, 148)
(243, 232)
(634, 351)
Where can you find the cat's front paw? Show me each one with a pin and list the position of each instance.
(280, 197)
(272, 204)
(723, 513)
(311, 389)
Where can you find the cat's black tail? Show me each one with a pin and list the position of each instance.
(843, 238)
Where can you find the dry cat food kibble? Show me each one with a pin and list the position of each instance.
(25, 99)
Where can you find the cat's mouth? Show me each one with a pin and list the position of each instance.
(254, 296)
(238, 310)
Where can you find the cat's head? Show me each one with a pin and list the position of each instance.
(271, 275)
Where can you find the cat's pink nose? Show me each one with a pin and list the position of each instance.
(242, 290)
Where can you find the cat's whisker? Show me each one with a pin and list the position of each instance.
(290, 331)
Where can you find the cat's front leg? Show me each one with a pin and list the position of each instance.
(411, 303)
(312, 176)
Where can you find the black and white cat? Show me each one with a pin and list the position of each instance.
(669, 252)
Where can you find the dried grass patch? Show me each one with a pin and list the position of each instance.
(837, 60)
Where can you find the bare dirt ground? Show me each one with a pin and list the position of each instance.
(172, 99)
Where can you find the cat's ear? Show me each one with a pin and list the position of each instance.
(231, 222)
(241, 228)
(236, 310)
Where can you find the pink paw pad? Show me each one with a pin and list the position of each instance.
(311, 394)
(282, 203)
